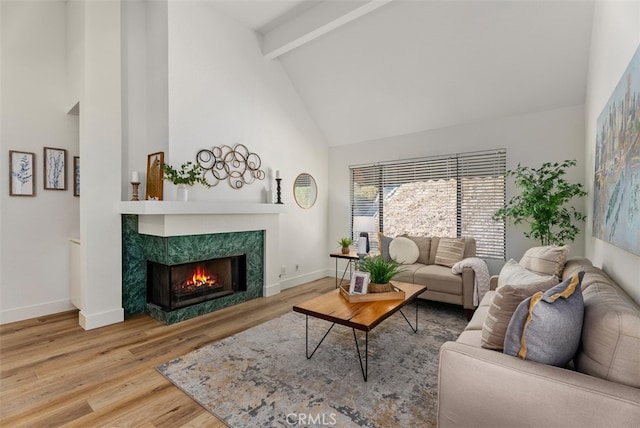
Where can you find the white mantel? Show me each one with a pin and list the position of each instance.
(197, 207)
(174, 218)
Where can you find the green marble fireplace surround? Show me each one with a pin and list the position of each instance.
(137, 248)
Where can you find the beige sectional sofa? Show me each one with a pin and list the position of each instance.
(482, 387)
(443, 285)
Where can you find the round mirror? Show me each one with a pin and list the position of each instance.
(305, 190)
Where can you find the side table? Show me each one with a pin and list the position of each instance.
(351, 259)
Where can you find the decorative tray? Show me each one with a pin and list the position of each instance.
(397, 294)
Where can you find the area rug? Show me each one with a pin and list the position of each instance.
(261, 377)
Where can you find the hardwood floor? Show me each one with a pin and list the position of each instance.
(53, 373)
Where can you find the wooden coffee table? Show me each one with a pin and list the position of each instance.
(364, 316)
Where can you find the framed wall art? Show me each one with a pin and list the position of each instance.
(155, 182)
(21, 173)
(76, 176)
(617, 171)
(55, 169)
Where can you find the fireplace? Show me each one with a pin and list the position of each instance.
(172, 287)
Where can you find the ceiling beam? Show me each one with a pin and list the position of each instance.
(313, 23)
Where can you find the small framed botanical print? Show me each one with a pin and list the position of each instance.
(21, 173)
(55, 169)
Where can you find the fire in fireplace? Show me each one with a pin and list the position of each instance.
(175, 286)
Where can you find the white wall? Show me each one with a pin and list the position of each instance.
(134, 93)
(219, 90)
(34, 279)
(145, 109)
(615, 38)
(529, 139)
(57, 55)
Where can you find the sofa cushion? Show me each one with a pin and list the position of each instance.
(546, 327)
(548, 260)
(450, 251)
(515, 284)
(407, 272)
(575, 265)
(470, 337)
(595, 276)
(424, 248)
(477, 320)
(480, 314)
(610, 347)
(439, 279)
(403, 250)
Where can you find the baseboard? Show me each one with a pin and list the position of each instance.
(303, 279)
(34, 311)
(272, 289)
(91, 321)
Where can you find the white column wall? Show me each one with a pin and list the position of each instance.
(134, 93)
(75, 51)
(101, 154)
(615, 38)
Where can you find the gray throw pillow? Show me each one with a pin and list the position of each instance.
(547, 326)
(383, 242)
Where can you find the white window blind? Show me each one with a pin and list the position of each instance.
(453, 195)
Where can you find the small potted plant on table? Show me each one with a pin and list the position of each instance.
(345, 243)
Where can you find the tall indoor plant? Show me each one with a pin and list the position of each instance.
(543, 201)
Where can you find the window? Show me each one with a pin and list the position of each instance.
(452, 195)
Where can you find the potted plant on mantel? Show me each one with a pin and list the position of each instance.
(545, 192)
(381, 271)
(189, 174)
(344, 243)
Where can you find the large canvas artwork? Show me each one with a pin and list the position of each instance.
(616, 211)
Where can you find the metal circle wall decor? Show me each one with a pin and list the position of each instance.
(237, 165)
(305, 190)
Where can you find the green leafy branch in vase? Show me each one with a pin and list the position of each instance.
(189, 174)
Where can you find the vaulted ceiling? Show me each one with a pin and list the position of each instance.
(371, 69)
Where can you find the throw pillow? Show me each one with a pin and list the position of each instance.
(383, 245)
(515, 284)
(404, 250)
(547, 260)
(450, 251)
(546, 327)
